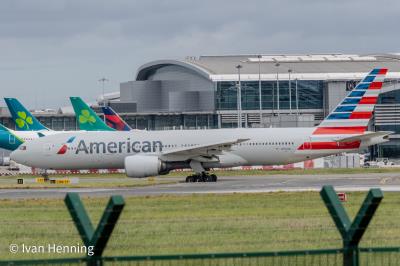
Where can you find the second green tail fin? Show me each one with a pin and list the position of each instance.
(86, 117)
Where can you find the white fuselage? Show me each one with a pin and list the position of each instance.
(103, 150)
(31, 135)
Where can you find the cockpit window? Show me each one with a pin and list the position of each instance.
(22, 148)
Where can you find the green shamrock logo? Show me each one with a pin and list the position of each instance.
(23, 120)
(85, 117)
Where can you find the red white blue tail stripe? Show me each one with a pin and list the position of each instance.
(352, 115)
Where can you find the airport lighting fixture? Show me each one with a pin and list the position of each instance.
(290, 91)
(239, 97)
(277, 87)
(297, 99)
(103, 80)
(259, 86)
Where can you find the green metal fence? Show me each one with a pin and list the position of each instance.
(350, 231)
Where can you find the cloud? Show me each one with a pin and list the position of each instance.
(54, 49)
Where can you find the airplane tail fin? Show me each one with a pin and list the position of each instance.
(86, 117)
(113, 120)
(8, 139)
(23, 119)
(353, 114)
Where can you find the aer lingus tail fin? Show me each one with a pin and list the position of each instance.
(86, 117)
(23, 119)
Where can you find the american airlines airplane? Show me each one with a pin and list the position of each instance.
(149, 153)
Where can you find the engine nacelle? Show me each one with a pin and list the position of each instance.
(143, 166)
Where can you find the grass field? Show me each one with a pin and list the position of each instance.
(198, 224)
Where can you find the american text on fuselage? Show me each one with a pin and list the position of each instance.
(127, 146)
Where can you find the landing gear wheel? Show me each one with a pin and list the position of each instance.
(45, 175)
(190, 179)
(203, 177)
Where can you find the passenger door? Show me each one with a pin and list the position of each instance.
(11, 139)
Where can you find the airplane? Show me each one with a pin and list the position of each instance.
(113, 120)
(87, 119)
(150, 153)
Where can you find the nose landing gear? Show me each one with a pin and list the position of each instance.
(202, 177)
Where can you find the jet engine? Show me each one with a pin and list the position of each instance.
(143, 166)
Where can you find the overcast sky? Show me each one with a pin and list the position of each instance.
(53, 49)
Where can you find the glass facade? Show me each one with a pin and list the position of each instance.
(391, 97)
(310, 94)
(150, 122)
(389, 149)
(52, 122)
(390, 108)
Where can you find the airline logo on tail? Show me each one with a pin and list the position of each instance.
(23, 119)
(113, 120)
(85, 117)
(351, 116)
(64, 147)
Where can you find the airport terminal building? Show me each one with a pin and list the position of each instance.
(275, 91)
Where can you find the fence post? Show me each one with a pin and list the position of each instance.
(351, 232)
(94, 238)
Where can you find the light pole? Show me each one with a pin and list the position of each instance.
(290, 92)
(103, 80)
(277, 86)
(239, 96)
(297, 100)
(259, 86)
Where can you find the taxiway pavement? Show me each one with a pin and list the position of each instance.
(227, 184)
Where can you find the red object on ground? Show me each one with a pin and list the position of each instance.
(342, 196)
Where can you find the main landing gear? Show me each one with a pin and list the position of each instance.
(44, 174)
(203, 177)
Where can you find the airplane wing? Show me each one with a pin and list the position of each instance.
(210, 149)
(366, 136)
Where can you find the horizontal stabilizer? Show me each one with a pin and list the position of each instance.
(366, 136)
